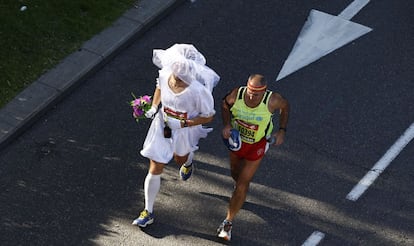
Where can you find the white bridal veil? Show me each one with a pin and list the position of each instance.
(186, 62)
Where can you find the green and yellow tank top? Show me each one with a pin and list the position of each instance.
(252, 123)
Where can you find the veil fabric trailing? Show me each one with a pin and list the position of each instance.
(187, 63)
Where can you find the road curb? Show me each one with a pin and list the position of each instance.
(27, 107)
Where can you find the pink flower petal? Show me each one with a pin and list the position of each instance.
(146, 99)
(135, 102)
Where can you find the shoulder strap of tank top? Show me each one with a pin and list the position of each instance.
(241, 92)
(266, 97)
(265, 101)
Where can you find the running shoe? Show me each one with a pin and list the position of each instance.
(224, 230)
(185, 172)
(145, 218)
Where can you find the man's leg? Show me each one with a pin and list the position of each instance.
(235, 165)
(186, 165)
(152, 185)
(243, 173)
(184, 160)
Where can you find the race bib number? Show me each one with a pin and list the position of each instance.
(247, 131)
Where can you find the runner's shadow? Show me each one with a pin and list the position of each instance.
(162, 230)
(275, 220)
(262, 211)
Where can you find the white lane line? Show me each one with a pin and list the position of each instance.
(314, 239)
(380, 166)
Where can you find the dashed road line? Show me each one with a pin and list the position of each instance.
(314, 239)
(383, 163)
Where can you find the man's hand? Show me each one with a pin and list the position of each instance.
(226, 131)
(280, 137)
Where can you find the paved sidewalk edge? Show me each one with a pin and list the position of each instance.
(44, 93)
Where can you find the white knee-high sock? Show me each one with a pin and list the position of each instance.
(152, 185)
(189, 160)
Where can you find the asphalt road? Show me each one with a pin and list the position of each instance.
(75, 177)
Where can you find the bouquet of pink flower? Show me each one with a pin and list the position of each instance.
(140, 106)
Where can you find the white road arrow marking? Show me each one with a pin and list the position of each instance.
(322, 34)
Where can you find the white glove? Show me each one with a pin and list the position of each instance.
(173, 123)
(150, 113)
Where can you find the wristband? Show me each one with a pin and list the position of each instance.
(185, 124)
(282, 128)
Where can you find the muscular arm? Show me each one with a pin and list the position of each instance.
(226, 104)
(277, 102)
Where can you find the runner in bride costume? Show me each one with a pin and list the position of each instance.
(184, 92)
